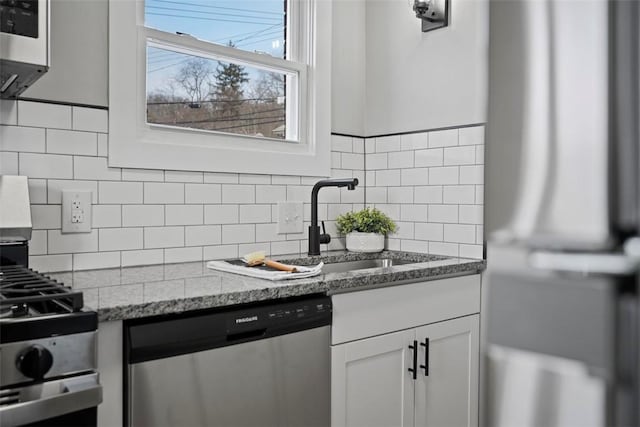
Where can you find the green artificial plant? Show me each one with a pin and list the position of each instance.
(368, 220)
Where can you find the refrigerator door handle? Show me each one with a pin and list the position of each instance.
(585, 263)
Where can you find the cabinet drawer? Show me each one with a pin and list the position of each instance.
(362, 314)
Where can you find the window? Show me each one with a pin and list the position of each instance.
(217, 85)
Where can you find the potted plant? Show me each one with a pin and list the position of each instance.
(365, 229)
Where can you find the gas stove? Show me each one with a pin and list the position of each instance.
(47, 337)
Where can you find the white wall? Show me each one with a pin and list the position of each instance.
(418, 81)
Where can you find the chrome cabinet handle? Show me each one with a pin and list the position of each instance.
(414, 369)
(425, 344)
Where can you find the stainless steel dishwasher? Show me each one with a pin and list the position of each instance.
(252, 365)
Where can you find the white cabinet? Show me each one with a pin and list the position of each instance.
(372, 376)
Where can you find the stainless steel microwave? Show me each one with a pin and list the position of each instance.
(24, 44)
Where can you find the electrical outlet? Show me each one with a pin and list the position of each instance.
(76, 211)
(289, 217)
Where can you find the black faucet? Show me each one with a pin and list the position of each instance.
(315, 238)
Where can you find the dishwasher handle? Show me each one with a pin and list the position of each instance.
(247, 335)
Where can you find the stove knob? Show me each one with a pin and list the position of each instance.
(34, 362)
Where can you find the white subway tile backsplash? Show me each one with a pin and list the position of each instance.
(376, 161)
(442, 248)
(90, 261)
(285, 248)
(103, 144)
(163, 193)
(238, 193)
(255, 214)
(443, 138)
(417, 213)
(393, 211)
(471, 251)
(416, 176)
(479, 194)
(414, 246)
(142, 257)
(163, 237)
(107, 216)
(242, 233)
(59, 243)
(404, 230)
(472, 135)
(460, 155)
(221, 214)
(271, 193)
(358, 145)
(479, 234)
(479, 154)
(182, 255)
(471, 214)
(268, 233)
(429, 231)
(430, 157)
(341, 143)
(428, 194)
(24, 139)
(49, 263)
(9, 163)
(184, 215)
(401, 159)
(44, 115)
(443, 175)
(37, 190)
(142, 175)
(254, 179)
(400, 195)
(121, 295)
(443, 213)
(285, 180)
(183, 176)
(393, 244)
(388, 178)
(459, 194)
(55, 188)
(119, 192)
(377, 195)
(298, 193)
(248, 248)
(8, 112)
(220, 252)
(45, 165)
(71, 142)
(387, 143)
(220, 178)
(472, 174)
(459, 233)
(90, 119)
(94, 168)
(352, 161)
(142, 215)
(203, 193)
(203, 235)
(414, 141)
(115, 239)
(46, 217)
(38, 242)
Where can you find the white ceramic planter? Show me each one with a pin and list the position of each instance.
(365, 242)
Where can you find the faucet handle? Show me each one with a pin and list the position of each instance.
(324, 237)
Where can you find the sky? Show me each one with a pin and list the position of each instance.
(252, 25)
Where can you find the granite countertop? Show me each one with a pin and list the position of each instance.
(133, 292)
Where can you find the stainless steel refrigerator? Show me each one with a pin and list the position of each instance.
(562, 184)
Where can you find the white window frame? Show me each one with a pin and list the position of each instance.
(133, 143)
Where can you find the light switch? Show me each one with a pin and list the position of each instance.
(289, 217)
(76, 211)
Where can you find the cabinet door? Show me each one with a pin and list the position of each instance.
(370, 382)
(448, 395)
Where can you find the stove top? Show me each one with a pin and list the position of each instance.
(26, 293)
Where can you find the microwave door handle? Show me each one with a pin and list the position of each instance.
(585, 263)
(50, 407)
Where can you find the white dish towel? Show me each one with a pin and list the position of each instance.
(303, 271)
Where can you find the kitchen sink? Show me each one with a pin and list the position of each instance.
(342, 267)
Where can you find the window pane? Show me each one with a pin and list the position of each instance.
(252, 25)
(201, 93)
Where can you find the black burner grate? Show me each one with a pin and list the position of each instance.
(24, 291)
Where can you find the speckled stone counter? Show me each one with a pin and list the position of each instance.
(133, 292)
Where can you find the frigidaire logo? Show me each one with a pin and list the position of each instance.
(247, 319)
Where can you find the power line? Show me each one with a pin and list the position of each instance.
(245, 33)
(168, 66)
(210, 13)
(205, 19)
(219, 7)
(256, 41)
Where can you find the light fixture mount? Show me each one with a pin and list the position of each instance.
(433, 13)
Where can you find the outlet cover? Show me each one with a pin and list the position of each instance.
(289, 217)
(76, 211)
